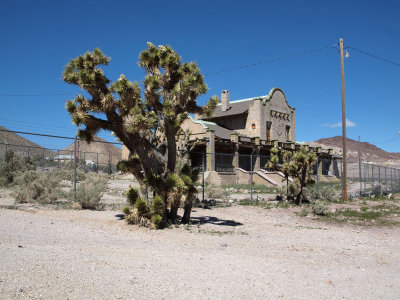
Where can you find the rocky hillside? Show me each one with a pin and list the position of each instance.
(98, 149)
(369, 152)
(20, 145)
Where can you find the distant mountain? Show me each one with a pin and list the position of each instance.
(98, 149)
(20, 145)
(369, 152)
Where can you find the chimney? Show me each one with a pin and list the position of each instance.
(225, 100)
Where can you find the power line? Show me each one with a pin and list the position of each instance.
(271, 60)
(207, 74)
(374, 56)
(35, 95)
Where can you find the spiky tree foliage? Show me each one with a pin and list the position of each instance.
(147, 121)
(297, 165)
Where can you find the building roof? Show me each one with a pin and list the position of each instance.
(241, 106)
(219, 131)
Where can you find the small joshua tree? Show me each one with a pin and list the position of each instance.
(297, 165)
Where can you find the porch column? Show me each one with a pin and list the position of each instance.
(235, 142)
(257, 160)
(211, 151)
(319, 166)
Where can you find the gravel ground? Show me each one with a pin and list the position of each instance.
(234, 253)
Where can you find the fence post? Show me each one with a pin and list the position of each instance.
(360, 178)
(43, 159)
(251, 176)
(58, 159)
(379, 180)
(386, 184)
(391, 180)
(29, 151)
(109, 163)
(372, 177)
(5, 153)
(84, 159)
(97, 163)
(202, 173)
(75, 170)
(317, 178)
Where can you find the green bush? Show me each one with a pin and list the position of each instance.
(326, 193)
(141, 207)
(126, 210)
(157, 220)
(13, 167)
(157, 206)
(68, 174)
(304, 212)
(132, 194)
(319, 209)
(37, 187)
(89, 192)
(214, 192)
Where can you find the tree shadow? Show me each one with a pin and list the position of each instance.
(120, 216)
(214, 221)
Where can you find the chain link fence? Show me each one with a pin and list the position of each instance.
(247, 168)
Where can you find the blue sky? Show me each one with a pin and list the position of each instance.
(39, 37)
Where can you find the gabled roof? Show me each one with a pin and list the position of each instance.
(219, 131)
(241, 106)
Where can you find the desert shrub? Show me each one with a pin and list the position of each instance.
(157, 206)
(304, 212)
(68, 174)
(126, 210)
(89, 192)
(326, 193)
(132, 194)
(377, 190)
(157, 221)
(13, 167)
(214, 192)
(37, 187)
(141, 207)
(319, 208)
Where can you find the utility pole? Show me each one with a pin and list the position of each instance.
(359, 163)
(344, 174)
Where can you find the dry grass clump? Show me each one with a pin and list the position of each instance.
(89, 192)
(37, 187)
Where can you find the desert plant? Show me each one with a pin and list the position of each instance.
(89, 192)
(13, 167)
(132, 194)
(67, 173)
(37, 187)
(157, 221)
(147, 122)
(213, 191)
(319, 208)
(126, 210)
(304, 212)
(157, 206)
(141, 207)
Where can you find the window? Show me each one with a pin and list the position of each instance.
(269, 130)
(288, 133)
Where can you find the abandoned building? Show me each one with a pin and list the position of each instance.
(238, 137)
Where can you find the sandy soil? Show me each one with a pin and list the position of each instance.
(227, 253)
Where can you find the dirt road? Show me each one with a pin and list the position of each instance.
(235, 253)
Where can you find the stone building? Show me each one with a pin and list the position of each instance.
(238, 137)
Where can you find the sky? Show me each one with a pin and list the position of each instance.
(38, 38)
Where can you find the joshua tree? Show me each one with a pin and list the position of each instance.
(298, 165)
(146, 123)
